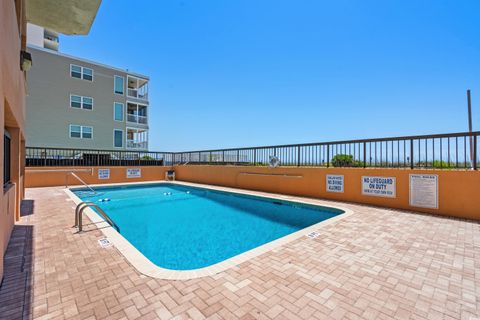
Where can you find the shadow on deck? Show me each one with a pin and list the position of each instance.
(16, 290)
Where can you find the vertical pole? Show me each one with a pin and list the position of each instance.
(364, 155)
(470, 127)
(475, 152)
(254, 157)
(411, 153)
(328, 155)
(298, 156)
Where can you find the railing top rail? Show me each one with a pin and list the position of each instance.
(97, 150)
(417, 137)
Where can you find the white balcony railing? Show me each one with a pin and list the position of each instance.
(137, 93)
(132, 144)
(133, 118)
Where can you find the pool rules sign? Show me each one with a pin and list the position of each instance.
(424, 190)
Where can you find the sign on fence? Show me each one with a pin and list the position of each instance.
(134, 172)
(103, 174)
(424, 190)
(379, 186)
(334, 183)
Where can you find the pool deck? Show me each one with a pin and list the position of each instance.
(374, 264)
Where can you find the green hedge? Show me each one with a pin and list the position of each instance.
(345, 160)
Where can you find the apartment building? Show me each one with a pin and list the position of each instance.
(77, 103)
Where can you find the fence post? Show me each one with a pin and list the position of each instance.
(298, 156)
(223, 156)
(475, 152)
(254, 157)
(411, 153)
(328, 155)
(44, 157)
(238, 156)
(364, 155)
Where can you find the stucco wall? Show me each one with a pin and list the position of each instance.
(12, 115)
(459, 191)
(48, 177)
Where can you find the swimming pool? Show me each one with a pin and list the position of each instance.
(181, 227)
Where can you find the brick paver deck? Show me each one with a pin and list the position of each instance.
(374, 264)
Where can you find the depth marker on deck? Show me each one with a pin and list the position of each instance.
(104, 243)
(313, 235)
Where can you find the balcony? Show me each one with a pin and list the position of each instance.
(137, 88)
(50, 40)
(137, 139)
(132, 144)
(137, 113)
(132, 118)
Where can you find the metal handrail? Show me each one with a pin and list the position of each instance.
(79, 179)
(87, 204)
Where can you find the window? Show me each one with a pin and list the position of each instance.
(118, 111)
(87, 132)
(76, 71)
(119, 84)
(82, 132)
(75, 131)
(117, 138)
(6, 158)
(81, 102)
(75, 101)
(81, 72)
(87, 74)
(87, 103)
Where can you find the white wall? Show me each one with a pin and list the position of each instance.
(35, 35)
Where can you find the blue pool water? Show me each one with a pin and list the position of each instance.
(184, 228)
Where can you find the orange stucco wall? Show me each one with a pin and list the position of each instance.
(458, 191)
(55, 176)
(12, 117)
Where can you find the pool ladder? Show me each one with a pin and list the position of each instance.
(88, 204)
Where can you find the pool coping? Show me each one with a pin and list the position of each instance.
(148, 268)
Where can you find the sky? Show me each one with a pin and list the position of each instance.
(243, 73)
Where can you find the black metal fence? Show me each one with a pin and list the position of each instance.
(441, 151)
(52, 157)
